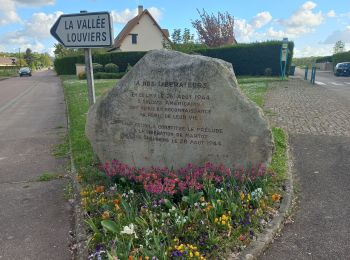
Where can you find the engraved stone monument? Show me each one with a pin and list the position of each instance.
(172, 109)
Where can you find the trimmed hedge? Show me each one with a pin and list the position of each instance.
(107, 75)
(247, 59)
(103, 75)
(341, 57)
(252, 58)
(66, 65)
(324, 59)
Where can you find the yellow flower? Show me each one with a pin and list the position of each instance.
(276, 197)
(105, 215)
(224, 217)
(241, 194)
(191, 254)
(223, 222)
(216, 220)
(196, 253)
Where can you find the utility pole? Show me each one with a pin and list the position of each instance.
(19, 55)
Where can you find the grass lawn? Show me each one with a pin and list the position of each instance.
(125, 220)
(8, 73)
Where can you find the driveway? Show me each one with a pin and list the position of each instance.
(35, 217)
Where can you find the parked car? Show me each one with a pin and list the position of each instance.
(25, 71)
(342, 69)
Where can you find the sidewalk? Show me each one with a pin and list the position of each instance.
(318, 124)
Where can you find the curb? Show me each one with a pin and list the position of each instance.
(264, 239)
(79, 232)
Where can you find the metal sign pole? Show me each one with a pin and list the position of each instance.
(89, 76)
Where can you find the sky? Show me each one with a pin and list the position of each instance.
(314, 26)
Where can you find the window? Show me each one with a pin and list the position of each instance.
(134, 38)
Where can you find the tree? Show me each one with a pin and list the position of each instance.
(339, 47)
(29, 57)
(214, 30)
(184, 42)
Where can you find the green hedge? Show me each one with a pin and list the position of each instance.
(108, 75)
(341, 57)
(66, 65)
(103, 75)
(247, 59)
(324, 59)
(253, 58)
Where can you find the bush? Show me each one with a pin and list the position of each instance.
(97, 67)
(111, 68)
(324, 59)
(268, 72)
(106, 75)
(82, 75)
(66, 65)
(341, 57)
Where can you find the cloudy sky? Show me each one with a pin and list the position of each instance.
(314, 26)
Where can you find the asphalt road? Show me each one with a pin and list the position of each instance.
(341, 85)
(35, 217)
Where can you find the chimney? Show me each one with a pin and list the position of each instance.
(140, 9)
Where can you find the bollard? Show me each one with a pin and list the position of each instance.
(313, 75)
(306, 72)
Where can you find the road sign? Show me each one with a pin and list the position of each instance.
(84, 30)
(284, 55)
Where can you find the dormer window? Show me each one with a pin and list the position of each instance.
(134, 38)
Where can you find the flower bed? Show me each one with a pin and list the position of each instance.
(192, 213)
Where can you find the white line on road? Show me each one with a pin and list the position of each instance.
(337, 84)
(319, 83)
(347, 83)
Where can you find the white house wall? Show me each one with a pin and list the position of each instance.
(149, 37)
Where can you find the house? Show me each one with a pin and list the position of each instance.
(142, 33)
(7, 61)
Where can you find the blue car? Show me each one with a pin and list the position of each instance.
(25, 72)
(342, 69)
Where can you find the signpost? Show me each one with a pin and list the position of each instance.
(85, 30)
(284, 57)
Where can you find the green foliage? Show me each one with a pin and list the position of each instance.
(304, 62)
(252, 58)
(107, 75)
(279, 158)
(341, 57)
(82, 75)
(324, 59)
(339, 47)
(97, 67)
(49, 176)
(66, 65)
(111, 68)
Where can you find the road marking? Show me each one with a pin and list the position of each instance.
(2, 158)
(14, 100)
(347, 83)
(336, 84)
(319, 83)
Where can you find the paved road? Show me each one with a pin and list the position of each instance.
(318, 122)
(326, 79)
(35, 217)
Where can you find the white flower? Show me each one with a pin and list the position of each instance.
(131, 192)
(219, 190)
(129, 230)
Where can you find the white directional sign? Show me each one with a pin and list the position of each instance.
(84, 30)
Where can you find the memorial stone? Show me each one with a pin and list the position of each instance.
(172, 109)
